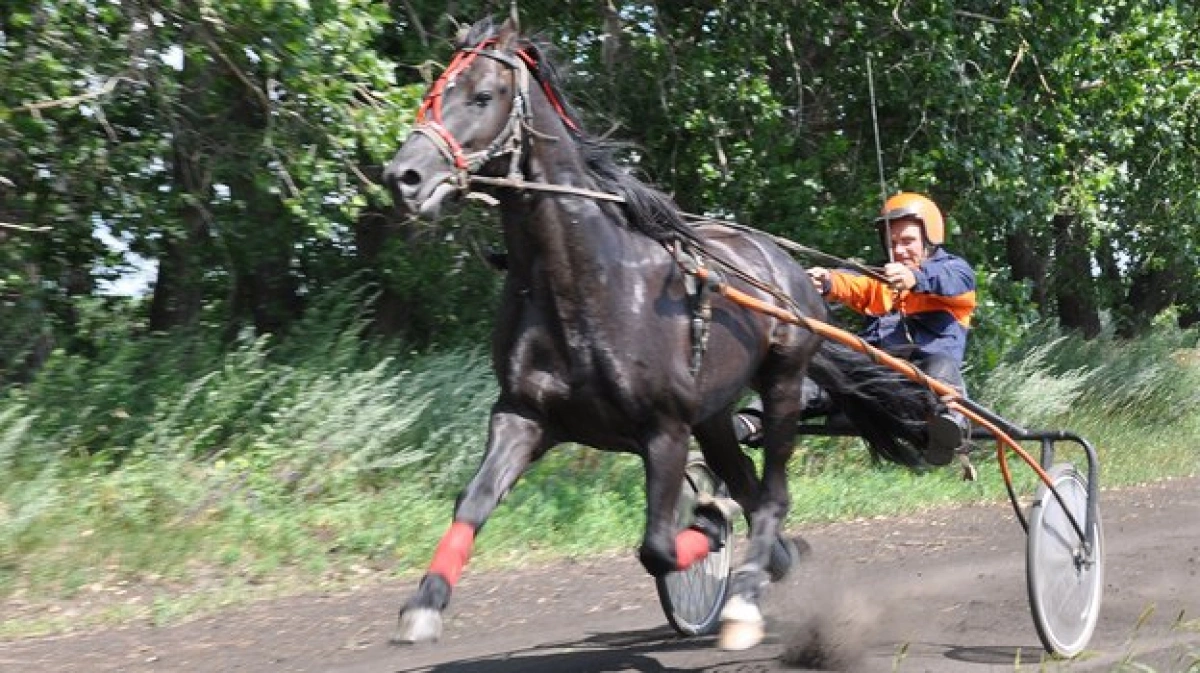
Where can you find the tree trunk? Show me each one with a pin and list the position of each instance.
(267, 295)
(611, 48)
(264, 290)
(178, 288)
(371, 234)
(178, 294)
(1151, 291)
(1074, 287)
(1189, 317)
(1028, 264)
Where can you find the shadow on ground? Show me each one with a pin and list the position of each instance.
(600, 653)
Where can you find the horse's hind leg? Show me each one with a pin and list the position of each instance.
(718, 442)
(742, 625)
(514, 442)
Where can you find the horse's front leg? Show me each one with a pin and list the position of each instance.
(664, 547)
(514, 441)
(742, 624)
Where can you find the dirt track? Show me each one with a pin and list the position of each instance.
(945, 592)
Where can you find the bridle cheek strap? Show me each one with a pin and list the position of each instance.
(510, 140)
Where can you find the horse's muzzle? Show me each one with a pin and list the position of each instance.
(404, 182)
(414, 192)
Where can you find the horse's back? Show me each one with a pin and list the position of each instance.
(760, 258)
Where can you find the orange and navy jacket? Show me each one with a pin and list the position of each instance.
(933, 316)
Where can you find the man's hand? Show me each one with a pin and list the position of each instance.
(899, 276)
(820, 278)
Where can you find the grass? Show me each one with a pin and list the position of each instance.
(186, 478)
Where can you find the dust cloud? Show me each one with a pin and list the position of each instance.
(826, 624)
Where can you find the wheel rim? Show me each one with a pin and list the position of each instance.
(1064, 587)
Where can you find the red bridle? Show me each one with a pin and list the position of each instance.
(429, 116)
(432, 105)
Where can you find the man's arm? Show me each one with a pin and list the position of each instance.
(860, 293)
(945, 277)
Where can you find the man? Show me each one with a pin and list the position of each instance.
(922, 313)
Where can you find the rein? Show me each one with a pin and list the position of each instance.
(873, 272)
(949, 395)
(511, 141)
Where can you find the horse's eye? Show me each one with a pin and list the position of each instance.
(483, 98)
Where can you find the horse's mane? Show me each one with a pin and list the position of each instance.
(648, 210)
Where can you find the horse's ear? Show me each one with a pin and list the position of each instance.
(460, 37)
(506, 37)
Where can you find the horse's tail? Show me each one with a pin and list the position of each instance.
(887, 409)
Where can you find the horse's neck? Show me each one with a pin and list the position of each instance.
(562, 239)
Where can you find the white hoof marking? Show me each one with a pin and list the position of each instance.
(419, 625)
(742, 625)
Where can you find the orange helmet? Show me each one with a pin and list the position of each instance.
(907, 205)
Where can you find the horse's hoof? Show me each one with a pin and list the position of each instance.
(418, 625)
(785, 554)
(742, 625)
(738, 636)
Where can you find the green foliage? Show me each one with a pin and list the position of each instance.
(1003, 317)
(1029, 389)
(238, 145)
(449, 291)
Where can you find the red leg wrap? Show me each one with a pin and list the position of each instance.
(452, 552)
(690, 546)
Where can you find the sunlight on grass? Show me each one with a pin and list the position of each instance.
(247, 472)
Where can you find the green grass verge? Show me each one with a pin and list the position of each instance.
(177, 487)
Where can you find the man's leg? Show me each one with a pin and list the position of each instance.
(948, 430)
(747, 421)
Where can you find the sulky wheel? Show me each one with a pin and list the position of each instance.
(1065, 582)
(692, 599)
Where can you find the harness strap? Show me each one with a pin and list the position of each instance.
(699, 293)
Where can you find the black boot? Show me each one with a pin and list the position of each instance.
(748, 426)
(948, 433)
(817, 401)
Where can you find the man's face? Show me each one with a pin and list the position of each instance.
(908, 243)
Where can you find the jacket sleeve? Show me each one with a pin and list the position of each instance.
(942, 285)
(946, 277)
(946, 284)
(860, 293)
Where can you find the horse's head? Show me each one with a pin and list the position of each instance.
(471, 117)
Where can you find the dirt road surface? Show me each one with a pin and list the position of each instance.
(943, 592)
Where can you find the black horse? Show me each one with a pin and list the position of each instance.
(596, 340)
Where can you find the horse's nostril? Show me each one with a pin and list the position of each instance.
(410, 178)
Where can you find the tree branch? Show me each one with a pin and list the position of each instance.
(21, 227)
(416, 22)
(107, 88)
(237, 72)
(981, 17)
(798, 75)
